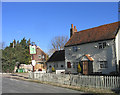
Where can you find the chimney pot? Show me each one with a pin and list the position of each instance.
(71, 25)
(74, 27)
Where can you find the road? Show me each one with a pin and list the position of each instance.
(10, 85)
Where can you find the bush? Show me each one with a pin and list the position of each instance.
(53, 69)
(79, 68)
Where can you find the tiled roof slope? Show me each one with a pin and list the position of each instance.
(104, 32)
(57, 56)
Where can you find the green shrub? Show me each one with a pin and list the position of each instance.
(79, 68)
(53, 69)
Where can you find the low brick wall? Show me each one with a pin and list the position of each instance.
(111, 82)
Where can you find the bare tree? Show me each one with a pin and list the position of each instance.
(2, 45)
(57, 43)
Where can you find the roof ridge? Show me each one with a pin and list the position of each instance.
(97, 27)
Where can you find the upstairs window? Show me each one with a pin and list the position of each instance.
(43, 56)
(102, 45)
(75, 49)
(39, 56)
(68, 64)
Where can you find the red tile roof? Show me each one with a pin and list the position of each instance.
(104, 32)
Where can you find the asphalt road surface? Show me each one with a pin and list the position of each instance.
(10, 85)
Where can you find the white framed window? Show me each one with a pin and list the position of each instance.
(103, 64)
(102, 45)
(62, 66)
(39, 56)
(68, 65)
(75, 49)
(74, 63)
(57, 65)
(43, 56)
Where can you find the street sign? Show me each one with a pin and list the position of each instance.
(33, 62)
(32, 49)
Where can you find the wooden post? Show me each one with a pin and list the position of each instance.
(32, 65)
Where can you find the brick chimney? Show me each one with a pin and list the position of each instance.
(72, 30)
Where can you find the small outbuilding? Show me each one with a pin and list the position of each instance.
(56, 63)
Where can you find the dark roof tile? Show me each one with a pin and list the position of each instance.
(57, 56)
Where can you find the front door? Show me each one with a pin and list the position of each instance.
(85, 67)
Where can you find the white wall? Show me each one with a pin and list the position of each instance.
(56, 65)
(117, 41)
(106, 54)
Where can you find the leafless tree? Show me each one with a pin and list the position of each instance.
(57, 43)
(2, 45)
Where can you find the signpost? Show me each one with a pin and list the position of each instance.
(32, 51)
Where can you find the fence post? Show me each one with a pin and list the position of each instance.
(96, 81)
(107, 79)
(105, 82)
(32, 75)
(115, 82)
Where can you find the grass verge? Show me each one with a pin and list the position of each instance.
(82, 89)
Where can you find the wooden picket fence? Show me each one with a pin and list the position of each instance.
(110, 82)
(107, 82)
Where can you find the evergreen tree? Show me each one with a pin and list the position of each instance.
(23, 43)
(19, 53)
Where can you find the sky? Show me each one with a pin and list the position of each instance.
(42, 21)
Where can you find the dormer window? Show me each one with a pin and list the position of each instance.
(75, 49)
